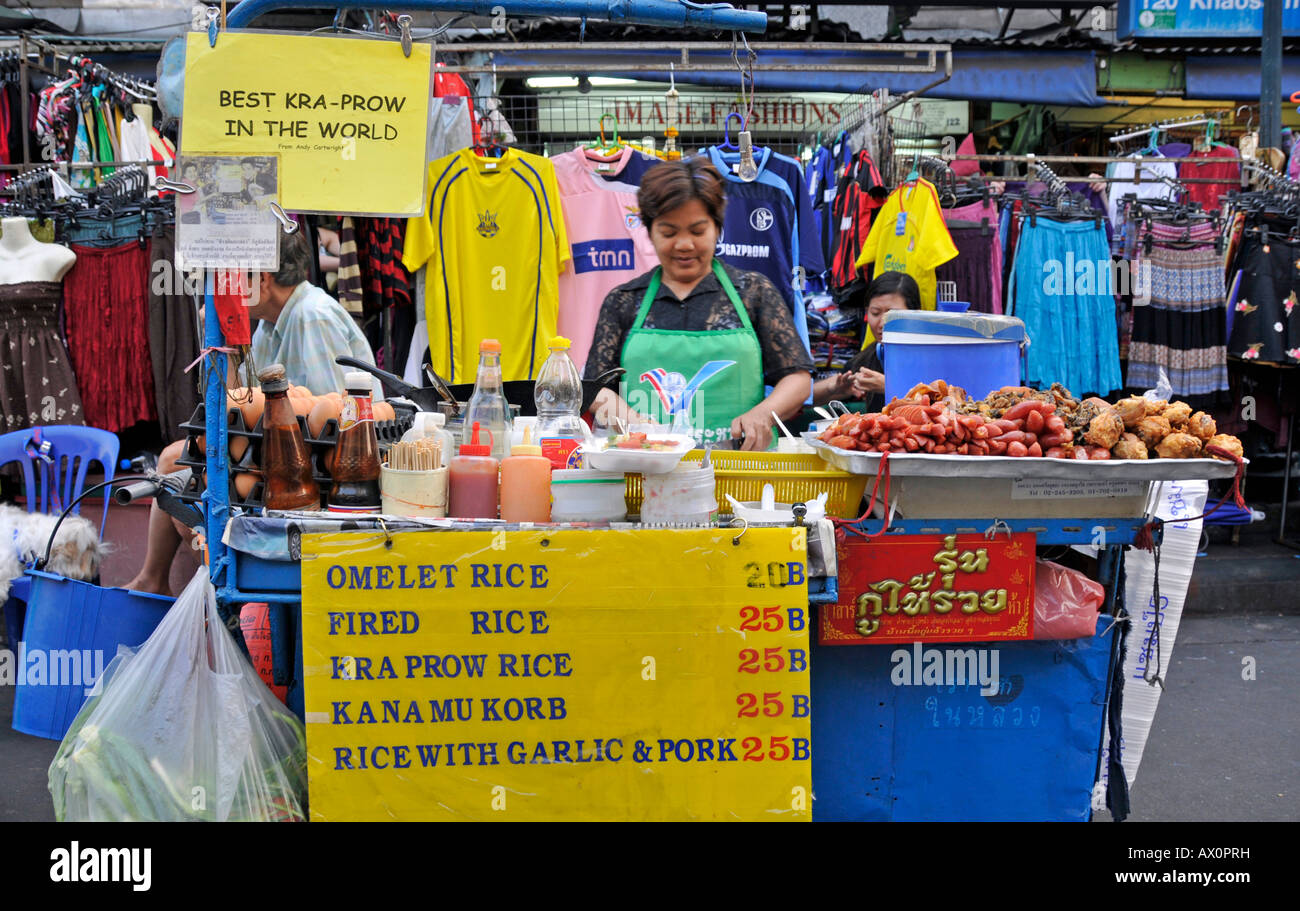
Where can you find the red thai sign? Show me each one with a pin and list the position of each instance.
(927, 588)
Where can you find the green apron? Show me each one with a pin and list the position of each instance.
(697, 381)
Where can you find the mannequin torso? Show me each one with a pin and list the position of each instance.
(23, 258)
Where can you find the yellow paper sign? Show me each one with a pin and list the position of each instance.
(349, 118)
(557, 675)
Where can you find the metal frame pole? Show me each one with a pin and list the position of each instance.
(1270, 72)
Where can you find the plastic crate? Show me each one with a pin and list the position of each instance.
(797, 477)
(388, 432)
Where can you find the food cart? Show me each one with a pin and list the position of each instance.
(454, 670)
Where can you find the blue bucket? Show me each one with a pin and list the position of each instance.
(71, 633)
(979, 352)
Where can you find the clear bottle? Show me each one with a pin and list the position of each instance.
(558, 397)
(356, 456)
(473, 481)
(526, 484)
(432, 424)
(286, 460)
(488, 410)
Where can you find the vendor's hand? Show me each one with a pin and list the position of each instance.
(997, 187)
(756, 428)
(609, 405)
(1098, 183)
(867, 381)
(841, 385)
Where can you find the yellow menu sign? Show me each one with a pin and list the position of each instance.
(349, 118)
(557, 675)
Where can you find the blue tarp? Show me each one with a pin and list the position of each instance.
(1028, 77)
(1234, 78)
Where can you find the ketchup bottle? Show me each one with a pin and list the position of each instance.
(473, 481)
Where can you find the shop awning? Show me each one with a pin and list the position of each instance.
(1029, 77)
(1235, 77)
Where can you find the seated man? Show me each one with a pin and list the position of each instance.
(302, 328)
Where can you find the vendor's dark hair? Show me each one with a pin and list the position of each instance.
(899, 283)
(671, 184)
(295, 260)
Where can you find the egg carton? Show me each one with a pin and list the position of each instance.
(249, 461)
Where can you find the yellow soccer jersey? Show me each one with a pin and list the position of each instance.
(909, 235)
(494, 241)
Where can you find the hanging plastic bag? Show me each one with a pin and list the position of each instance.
(1163, 392)
(182, 728)
(1066, 602)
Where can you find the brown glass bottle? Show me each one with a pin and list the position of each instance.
(286, 460)
(356, 459)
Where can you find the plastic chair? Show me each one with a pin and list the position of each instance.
(50, 486)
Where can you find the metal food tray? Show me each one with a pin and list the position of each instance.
(912, 464)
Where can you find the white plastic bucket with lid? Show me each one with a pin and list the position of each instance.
(578, 495)
(683, 496)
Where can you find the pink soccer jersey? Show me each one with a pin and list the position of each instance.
(609, 244)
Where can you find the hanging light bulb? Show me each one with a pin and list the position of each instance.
(748, 169)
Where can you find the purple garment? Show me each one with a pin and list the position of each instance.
(1084, 189)
(1176, 149)
(989, 284)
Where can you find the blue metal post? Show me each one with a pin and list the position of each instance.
(668, 13)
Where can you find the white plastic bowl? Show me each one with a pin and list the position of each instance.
(638, 461)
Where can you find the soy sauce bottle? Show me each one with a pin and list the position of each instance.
(286, 460)
(356, 458)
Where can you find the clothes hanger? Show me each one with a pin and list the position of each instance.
(727, 145)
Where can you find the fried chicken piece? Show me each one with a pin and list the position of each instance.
(1226, 442)
(1153, 406)
(1105, 429)
(1152, 429)
(1129, 447)
(1177, 414)
(1179, 446)
(1202, 426)
(1131, 410)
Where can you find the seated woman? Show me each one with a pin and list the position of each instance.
(863, 376)
(698, 339)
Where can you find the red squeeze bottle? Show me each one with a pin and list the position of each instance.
(472, 478)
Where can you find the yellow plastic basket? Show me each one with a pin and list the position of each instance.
(796, 477)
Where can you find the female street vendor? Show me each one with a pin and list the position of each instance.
(864, 376)
(698, 339)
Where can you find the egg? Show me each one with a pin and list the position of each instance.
(303, 405)
(327, 407)
(244, 484)
(251, 404)
(238, 446)
(384, 412)
(299, 392)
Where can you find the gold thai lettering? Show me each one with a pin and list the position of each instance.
(916, 603)
(947, 558)
(975, 561)
(921, 582)
(994, 600)
(970, 602)
(941, 601)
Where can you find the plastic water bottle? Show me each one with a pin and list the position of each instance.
(558, 397)
(432, 425)
(487, 406)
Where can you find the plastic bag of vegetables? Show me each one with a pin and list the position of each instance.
(182, 728)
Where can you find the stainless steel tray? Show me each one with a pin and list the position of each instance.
(913, 464)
